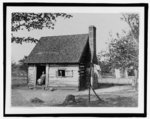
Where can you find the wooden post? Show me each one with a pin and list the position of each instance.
(89, 92)
(47, 76)
(91, 73)
(34, 75)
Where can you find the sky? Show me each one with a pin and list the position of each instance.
(78, 24)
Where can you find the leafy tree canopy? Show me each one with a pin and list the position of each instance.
(123, 52)
(30, 21)
(22, 65)
(132, 20)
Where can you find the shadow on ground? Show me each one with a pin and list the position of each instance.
(106, 101)
(108, 85)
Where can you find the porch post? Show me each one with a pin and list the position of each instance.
(34, 75)
(47, 75)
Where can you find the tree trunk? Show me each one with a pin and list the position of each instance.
(117, 73)
(135, 79)
(126, 73)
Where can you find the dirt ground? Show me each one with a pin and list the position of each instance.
(111, 95)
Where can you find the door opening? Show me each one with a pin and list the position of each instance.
(41, 75)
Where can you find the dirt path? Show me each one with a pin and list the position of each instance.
(115, 94)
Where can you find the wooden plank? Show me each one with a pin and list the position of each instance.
(47, 75)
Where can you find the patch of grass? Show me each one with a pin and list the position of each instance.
(18, 83)
(18, 78)
(120, 101)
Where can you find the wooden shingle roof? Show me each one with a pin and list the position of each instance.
(58, 49)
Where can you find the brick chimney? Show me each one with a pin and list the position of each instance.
(92, 42)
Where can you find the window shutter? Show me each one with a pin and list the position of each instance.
(57, 73)
(69, 73)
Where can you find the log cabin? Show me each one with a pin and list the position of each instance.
(65, 59)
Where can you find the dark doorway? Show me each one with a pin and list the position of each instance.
(40, 70)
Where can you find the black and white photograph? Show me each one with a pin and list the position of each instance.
(75, 58)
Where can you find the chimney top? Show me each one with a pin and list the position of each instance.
(91, 26)
(92, 42)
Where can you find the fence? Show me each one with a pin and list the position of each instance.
(128, 80)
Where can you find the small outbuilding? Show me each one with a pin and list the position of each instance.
(65, 60)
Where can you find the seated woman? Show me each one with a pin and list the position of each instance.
(41, 80)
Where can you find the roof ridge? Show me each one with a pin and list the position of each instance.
(65, 35)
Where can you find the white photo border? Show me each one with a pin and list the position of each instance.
(141, 8)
